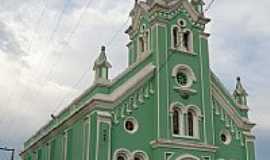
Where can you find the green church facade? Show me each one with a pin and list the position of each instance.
(167, 105)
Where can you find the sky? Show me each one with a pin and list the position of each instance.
(47, 50)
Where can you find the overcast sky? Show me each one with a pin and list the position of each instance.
(46, 46)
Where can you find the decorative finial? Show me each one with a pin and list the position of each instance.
(103, 48)
(240, 93)
(238, 79)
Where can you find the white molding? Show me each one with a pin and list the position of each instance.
(120, 91)
(103, 117)
(187, 157)
(186, 70)
(122, 151)
(140, 152)
(163, 143)
(135, 123)
(230, 110)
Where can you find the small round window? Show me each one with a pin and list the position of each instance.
(181, 79)
(182, 23)
(131, 125)
(226, 137)
(121, 157)
(139, 155)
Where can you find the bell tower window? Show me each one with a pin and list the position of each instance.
(181, 37)
(176, 120)
(141, 44)
(187, 40)
(190, 119)
(175, 39)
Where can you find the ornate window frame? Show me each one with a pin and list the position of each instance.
(183, 129)
(191, 79)
(135, 123)
(140, 153)
(196, 120)
(181, 26)
(124, 152)
(180, 108)
(187, 157)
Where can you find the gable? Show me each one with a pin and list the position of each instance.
(110, 100)
(223, 97)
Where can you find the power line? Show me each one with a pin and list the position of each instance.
(208, 7)
(75, 85)
(117, 33)
(70, 36)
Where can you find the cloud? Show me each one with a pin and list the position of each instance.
(9, 43)
(49, 65)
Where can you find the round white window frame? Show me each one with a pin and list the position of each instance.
(140, 153)
(135, 123)
(122, 151)
(184, 23)
(228, 137)
(186, 70)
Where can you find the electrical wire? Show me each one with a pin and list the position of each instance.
(209, 6)
(75, 85)
(117, 33)
(69, 38)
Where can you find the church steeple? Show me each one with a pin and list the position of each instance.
(102, 66)
(240, 94)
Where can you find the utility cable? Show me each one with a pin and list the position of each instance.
(208, 7)
(117, 33)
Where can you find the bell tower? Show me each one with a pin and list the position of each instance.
(171, 34)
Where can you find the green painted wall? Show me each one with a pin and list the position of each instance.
(97, 135)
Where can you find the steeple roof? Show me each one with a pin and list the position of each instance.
(239, 90)
(102, 60)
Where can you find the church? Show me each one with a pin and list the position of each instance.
(167, 104)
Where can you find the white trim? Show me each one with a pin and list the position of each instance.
(122, 151)
(104, 117)
(135, 123)
(187, 157)
(141, 153)
(65, 144)
(122, 90)
(186, 70)
(203, 96)
(228, 135)
(172, 36)
(158, 81)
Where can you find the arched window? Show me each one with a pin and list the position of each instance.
(141, 44)
(140, 155)
(175, 37)
(190, 121)
(176, 121)
(187, 40)
(146, 40)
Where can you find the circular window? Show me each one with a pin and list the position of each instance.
(121, 157)
(140, 155)
(122, 154)
(182, 79)
(131, 125)
(182, 23)
(225, 137)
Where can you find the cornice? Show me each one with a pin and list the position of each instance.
(234, 115)
(165, 143)
(111, 99)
